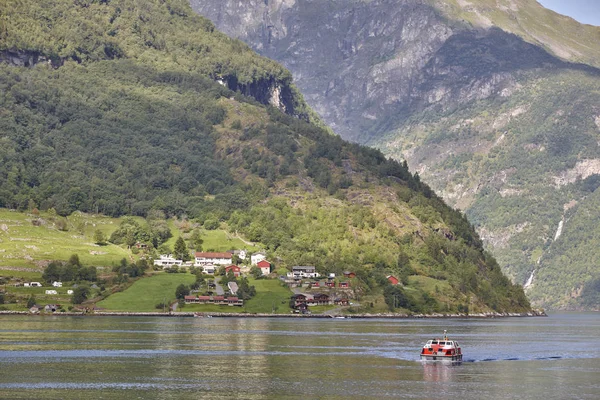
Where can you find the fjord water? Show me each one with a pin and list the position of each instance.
(273, 358)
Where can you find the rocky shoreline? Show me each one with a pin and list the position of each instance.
(247, 315)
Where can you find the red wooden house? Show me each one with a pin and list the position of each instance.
(235, 269)
(265, 267)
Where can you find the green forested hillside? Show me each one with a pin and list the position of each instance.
(520, 166)
(129, 117)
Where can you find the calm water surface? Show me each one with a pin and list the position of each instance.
(234, 358)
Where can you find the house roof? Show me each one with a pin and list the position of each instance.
(234, 267)
(232, 299)
(263, 264)
(200, 254)
(190, 297)
(305, 268)
(203, 297)
(218, 298)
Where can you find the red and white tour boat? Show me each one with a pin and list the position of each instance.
(441, 350)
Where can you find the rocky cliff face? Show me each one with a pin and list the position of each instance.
(484, 98)
(354, 61)
(24, 58)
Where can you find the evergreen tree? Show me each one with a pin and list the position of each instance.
(99, 237)
(180, 250)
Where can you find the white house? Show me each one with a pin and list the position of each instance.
(35, 284)
(209, 269)
(51, 292)
(69, 291)
(203, 259)
(303, 272)
(257, 257)
(57, 284)
(240, 253)
(167, 261)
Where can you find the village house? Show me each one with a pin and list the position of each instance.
(264, 266)
(237, 271)
(320, 299)
(393, 280)
(167, 261)
(51, 292)
(57, 284)
(257, 257)
(209, 269)
(341, 301)
(299, 301)
(349, 274)
(344, 284)
(240, 253)
(299, 272)
(218, 300)
(203, 258)
(52, 307)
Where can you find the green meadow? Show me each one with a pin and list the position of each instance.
(145, 293)
(270, 297)
(27, 241)
(221, 240)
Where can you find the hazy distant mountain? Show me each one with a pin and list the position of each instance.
(494, 102)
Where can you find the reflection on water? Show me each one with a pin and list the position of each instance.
(439, 371)
(223, 358)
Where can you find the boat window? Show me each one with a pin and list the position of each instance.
(442, 343)
(456, 344)
(434, 342)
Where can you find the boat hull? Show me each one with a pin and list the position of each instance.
(434, 357)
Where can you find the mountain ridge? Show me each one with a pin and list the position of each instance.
(479, 97)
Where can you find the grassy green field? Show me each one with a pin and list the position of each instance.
(220, 240)
(145, 293)
(270, 297)
(23, 245)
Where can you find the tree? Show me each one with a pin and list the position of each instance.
(99, 237)
(31, 301)
(245, 291)
(395, 297)
(1, 298)
(256, 272)
(181, 291)
(196, 240)
(80, 294)
(180, 250)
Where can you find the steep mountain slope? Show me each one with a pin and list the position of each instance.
(493, 102)
(126, 106)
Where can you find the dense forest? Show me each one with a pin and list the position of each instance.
(126, 108)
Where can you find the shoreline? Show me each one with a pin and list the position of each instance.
(246, 315)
